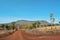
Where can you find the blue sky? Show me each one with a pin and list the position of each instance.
(12, 10)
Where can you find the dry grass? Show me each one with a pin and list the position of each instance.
(4, 33)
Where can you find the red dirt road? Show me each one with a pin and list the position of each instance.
(22, 35)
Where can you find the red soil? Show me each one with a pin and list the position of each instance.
(22, 35)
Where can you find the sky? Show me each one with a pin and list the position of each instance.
(13, 10)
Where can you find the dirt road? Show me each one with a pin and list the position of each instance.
(22, 35)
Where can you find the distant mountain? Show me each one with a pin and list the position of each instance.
(24, 22)
(43, 22)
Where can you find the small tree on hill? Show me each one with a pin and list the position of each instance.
(59, 22)
(13, 25)
(36, 24)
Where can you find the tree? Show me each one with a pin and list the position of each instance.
(36, 24)
(3, 26)
(13, 25)
(52, 19)
(27, 26)
(7, 27)
(59, 22)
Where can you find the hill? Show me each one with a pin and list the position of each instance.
(24, 22)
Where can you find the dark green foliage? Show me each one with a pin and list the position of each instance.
(30, 26)
(36, 24)
(13, 25)
(7, 27)
(59, 22)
